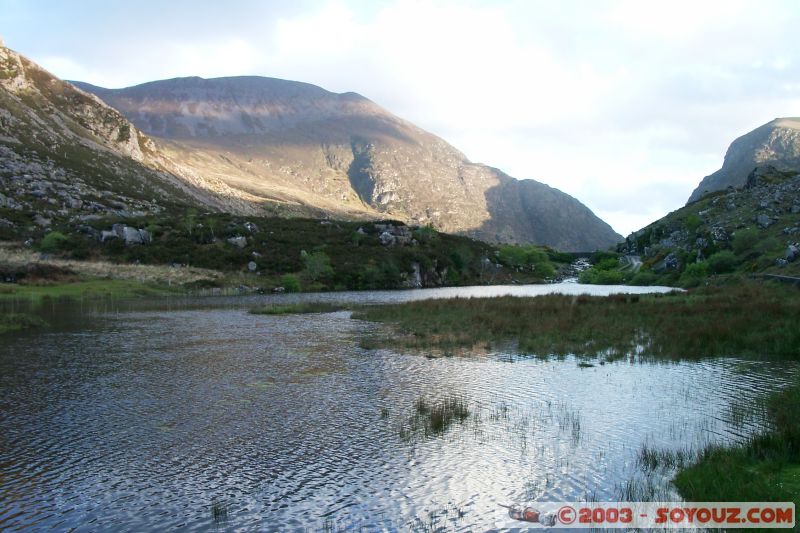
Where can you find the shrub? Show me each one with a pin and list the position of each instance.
(693, 222)
(290, 282)
(694, 274)
(722, 262)
(607, 264)
(317, 265)
(53, 242)
(644, 278)
(530, 258)
(601, 277)
(426, 234)
(744, 240)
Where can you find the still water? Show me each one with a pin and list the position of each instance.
(194, 415)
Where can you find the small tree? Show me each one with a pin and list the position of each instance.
(53, 242)
(722, 262)
(317, 265)
(744, 240)
(290, 283)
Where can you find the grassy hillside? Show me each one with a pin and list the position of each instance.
(297, 254)
(726, 234)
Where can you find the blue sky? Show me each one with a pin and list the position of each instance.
(625, 105)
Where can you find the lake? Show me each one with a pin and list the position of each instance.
(191, 414)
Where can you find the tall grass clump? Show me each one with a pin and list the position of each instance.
(748, 320)
(433, 418)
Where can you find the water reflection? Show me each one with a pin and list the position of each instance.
(193, 419)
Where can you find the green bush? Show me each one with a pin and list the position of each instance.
(601, 277)
(694, 274)
(607, 264)
(693, 222)
(290, 282)
(644, 278)
(426, 234)
(744, 240)
(54, 242)
(317, 265)
(722, 262)
(522, 256)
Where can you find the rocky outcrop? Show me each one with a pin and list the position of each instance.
(129, 235)
(764, 203)
(776, 143)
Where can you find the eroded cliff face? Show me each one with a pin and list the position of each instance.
(298, 144)
(776, 143)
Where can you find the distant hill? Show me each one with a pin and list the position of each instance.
(776, 143)
(289, 143)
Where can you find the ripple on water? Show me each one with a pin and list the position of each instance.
(154, 420)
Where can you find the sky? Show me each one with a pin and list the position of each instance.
(625, 105)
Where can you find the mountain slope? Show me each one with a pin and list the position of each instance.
(776, 143)
(297, 144)
(64, 153)
(750, 229)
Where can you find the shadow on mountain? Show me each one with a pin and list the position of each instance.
(529, 211)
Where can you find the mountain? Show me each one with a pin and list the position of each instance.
(284, 143)
(776, 143)
(742, 230)
(66, 154)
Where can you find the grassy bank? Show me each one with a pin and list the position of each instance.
(298, 308)
(11, 322)
(749, 320)
(765, 469)
(88, 289)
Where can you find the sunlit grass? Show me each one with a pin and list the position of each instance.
(90, 289)
(751, 320)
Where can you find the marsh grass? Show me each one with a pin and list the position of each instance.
(750, 320)
(219, 512)
(653, 459)
(10, 322)
(434, 418)
(298, 308)
(767, 468)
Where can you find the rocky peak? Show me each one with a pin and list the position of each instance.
(776, 143)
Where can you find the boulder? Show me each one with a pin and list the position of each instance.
(238, 241)
(131, 235)
(252, 266)
(670, 262)
(39, 220)
(792, 253)
(386, 239)
(764, 221)
(719, 234)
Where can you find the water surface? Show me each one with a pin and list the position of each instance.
(197, 416)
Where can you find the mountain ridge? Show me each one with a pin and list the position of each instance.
(342, 148)
(263, 147)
